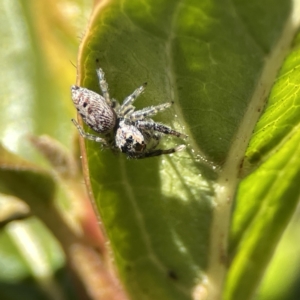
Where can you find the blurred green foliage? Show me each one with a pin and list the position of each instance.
(158, 213)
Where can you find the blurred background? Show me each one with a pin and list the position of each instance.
(39, 44)
(38, 55)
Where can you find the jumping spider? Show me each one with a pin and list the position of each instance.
(125, 129)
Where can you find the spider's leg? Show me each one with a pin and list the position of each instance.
(89, 136)
(104, 87)
(149, 111)
(130, 99)
(150, 125)
(157, 152)
(128, 111)
(115, 104)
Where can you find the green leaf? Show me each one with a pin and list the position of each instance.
(268, 197)
(282, 283)
(167, 218)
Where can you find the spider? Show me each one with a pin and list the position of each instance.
(124, 128)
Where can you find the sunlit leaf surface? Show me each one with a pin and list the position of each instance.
(160, 214)
(268, 197)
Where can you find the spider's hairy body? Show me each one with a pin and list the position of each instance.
(90, 106)
(125, 129)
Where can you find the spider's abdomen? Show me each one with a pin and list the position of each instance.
(94, 110)
(129, 139)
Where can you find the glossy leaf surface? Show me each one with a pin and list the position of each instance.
(167, 217)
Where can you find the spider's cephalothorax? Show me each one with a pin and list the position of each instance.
(125, 129)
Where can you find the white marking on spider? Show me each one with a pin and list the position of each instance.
(124, 129)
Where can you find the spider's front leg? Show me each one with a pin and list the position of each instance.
(104, 88)
(150, 125)
(126, 108)
(149, 111)
(157, 152)
(89, 136)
